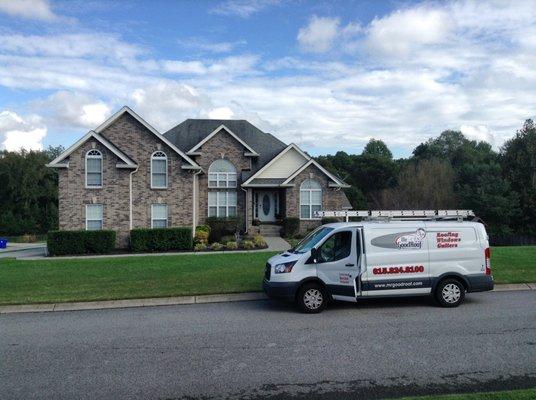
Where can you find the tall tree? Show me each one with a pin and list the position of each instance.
(518, 159)
(377, 148)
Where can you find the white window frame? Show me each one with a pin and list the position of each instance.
(310, 194)
(159, 219)
(159, 155)
(101, 219)
(227, 205)
(226, 178)
(94, 156)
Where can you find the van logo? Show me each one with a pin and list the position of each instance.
(401, 241)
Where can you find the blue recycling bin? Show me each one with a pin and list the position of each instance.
(3, 243)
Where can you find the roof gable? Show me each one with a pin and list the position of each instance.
(191, 163)
(57, 162)
(250, 151)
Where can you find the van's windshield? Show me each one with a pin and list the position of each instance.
(309, 241)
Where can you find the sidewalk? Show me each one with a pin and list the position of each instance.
(168, 301)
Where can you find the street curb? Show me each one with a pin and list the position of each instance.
(169, 301)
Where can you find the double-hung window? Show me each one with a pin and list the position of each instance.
(222, 203)
(93, 169)
(159, 216)
(93, 217)
(310, 199)
(159, 170)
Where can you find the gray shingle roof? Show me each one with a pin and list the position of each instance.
(190, 132)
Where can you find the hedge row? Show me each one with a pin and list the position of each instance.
(165, 239)
(62, 243)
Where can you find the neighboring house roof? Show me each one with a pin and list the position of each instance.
(188, 135)
(58, 162)
(191, 163)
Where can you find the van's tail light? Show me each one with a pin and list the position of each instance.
(487, 255)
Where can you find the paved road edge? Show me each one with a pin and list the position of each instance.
(168, 301)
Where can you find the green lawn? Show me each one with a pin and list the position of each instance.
(60, 280)
(524, 394)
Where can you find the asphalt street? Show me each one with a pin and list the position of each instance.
(263, 350)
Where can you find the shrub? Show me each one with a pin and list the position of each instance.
(204, 228)
(164, 239)
(231, 246)
(329, 220)
(201, 236)
(255, 222)
(291, 226)
(220, 227)
(216, 246)
(248, 245)
(62, 243)
(228, 238)
(259, 242)
(200, 247)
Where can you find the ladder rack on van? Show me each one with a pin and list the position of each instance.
(400, 215)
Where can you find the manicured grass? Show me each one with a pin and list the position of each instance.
(524, 394)
(513, 264)
(62, 280)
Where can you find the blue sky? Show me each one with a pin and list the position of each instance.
(327, 75)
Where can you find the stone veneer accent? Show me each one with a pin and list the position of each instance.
(222, 145)
(133, 139)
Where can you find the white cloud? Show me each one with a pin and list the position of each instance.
(199, 44)
(16, 133)
(397, 34)
(479, 133)
(221, 113)
(319, 34)
(29, 9)
(243, 8)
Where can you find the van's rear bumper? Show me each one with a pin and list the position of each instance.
(280, 290)
(480, 283)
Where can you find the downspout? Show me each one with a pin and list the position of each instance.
(246, 191)
(194, 202)
(130, 199)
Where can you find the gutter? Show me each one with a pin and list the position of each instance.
(194, 201)
(130, 198)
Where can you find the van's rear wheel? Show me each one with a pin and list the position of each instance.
(312, 298)
(450, 293)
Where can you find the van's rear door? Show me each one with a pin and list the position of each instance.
(397, 261)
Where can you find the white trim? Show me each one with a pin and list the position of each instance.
(265, 185)
(151, 169)
(127, 109)
(338, 182)
(273, 160)
(102, 216)
(252, 153)
(159, 219)
(91, 134)
(310, 205)
(130, 211)
(227, 175)
(99, 157)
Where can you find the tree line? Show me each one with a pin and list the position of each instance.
(446, 172)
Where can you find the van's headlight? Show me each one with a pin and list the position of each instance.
(284, 268)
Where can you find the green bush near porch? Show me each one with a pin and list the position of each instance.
(161, 239)
(62, 243)
(291, 227)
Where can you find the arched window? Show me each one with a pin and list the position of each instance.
(310, 199)
(93, 169)
(159, 170)
(222, 174)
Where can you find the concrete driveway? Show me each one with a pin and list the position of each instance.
(264, 350)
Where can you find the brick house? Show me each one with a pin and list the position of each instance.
(125, 175)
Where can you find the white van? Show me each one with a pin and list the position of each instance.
(383, 256)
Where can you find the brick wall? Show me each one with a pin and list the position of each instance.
(332, 199)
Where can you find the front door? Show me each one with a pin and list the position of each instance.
(338, 261)
(266, 205)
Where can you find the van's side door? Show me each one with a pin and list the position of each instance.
(397, 260)
(337, 264)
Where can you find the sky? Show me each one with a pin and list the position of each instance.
(327, 75)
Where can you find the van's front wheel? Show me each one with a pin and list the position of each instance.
(450, 293)
(312, 298)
